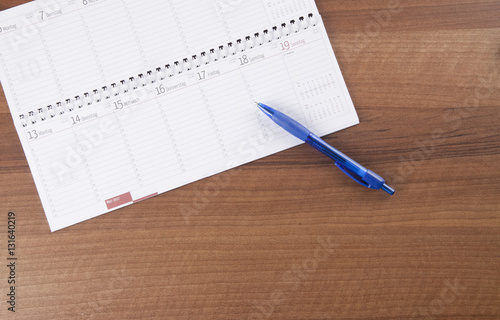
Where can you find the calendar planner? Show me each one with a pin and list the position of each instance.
(117, 101)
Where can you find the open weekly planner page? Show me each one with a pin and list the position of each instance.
(116, 101)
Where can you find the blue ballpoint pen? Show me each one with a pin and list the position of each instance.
(350, 167)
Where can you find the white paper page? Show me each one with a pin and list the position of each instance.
(155, 128)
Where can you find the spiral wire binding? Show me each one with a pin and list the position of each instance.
(170, 70)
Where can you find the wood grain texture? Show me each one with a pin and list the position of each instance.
(289, 237)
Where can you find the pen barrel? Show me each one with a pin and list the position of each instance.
(290, 125)
(322, 146)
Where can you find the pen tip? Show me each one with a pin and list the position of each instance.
(267, 110)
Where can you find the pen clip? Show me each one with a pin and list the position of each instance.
(352, 175)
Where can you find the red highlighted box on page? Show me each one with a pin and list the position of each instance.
(119, 200)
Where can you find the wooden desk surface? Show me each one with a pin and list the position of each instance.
(289, 237)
